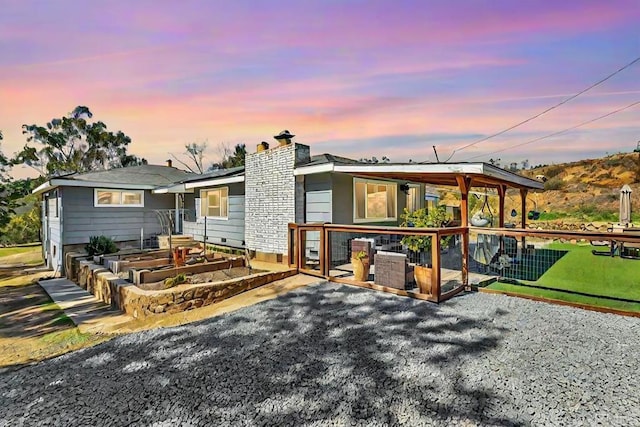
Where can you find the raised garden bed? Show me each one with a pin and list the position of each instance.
(198, 278)
(148, 294)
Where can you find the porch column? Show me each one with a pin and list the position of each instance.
(176, 220)
(502, 190)
(523, 207)
(464, 183)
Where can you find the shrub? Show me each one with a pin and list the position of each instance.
(175, 281)
(100, 245)
(421, 218)
(613, 162)
(553, 171)
(555, 183)
(23, 228)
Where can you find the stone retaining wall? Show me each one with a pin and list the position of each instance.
(139, 303)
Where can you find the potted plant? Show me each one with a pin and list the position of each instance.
(421, 245)
(361, 265)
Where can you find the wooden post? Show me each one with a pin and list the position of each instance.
(323, 249)
(464, 184)
(523, 207)
(327, 253)
(523, 201)
(292, 254)
(302, 244)
(502, 190)
(465, 259)
(435, 267)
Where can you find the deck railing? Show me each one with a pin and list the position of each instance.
(457, 257)
(525, 256)
(328, 250)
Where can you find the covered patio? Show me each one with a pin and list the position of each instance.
(392, 265)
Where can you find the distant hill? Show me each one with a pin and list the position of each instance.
(577, 193)
(588, 190)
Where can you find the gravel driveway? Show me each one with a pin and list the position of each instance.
(337, 355)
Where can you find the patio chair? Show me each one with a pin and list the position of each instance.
(613, 248)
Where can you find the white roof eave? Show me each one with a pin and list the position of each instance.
(172, 189)
(214, 182)
(452, 168)
(61, 182)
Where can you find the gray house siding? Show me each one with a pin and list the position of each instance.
(318, 208)
(82, 220)
(318, 198)
(227, 232)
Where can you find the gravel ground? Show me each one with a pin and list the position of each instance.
(337, 355)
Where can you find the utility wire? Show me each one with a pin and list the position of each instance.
(559, 132)
(599, 82)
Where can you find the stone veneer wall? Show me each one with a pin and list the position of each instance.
(272, 196)
(139, 303)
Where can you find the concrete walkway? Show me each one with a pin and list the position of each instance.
(92, 315)
(84, 309)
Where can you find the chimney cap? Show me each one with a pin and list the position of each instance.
(285, 134)
(169, 163)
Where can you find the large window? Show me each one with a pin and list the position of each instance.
(374, 201)
(118, 198)
(215, 203)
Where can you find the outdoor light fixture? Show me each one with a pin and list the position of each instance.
(405, 188)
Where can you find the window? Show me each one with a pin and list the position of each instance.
(122, 198)
(215, 203)
(413, 198)
(52, 205)
(374, 201)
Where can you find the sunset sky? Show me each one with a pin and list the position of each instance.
(355, 78)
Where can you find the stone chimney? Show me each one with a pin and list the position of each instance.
(273, 196)
(169, 163)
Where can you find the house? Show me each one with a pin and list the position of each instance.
(250, 207)
(118, 203)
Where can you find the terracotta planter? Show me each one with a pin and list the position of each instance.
(360, 269)
(422, 275)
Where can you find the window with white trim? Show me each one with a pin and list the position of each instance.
(214, 203)
(374, 201)
(104, 197)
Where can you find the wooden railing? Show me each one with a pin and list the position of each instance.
(324, 250)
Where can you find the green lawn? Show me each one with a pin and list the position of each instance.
(14, 250)
(581, 272)
(564, 296)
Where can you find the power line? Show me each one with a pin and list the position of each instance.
(558, 132)
(572, 97)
